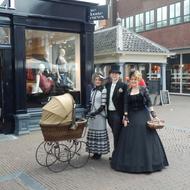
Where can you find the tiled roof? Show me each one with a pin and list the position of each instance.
(119, 39)
(105, 40)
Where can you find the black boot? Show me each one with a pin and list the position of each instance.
(96, 156)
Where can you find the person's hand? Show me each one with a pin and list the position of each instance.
(125, 121)
(153, 114)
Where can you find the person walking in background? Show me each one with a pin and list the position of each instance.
(139, 147)
(115, 102)
(97, 137)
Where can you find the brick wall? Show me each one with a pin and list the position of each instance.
(171, 37)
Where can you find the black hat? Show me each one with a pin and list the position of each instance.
(115, 69)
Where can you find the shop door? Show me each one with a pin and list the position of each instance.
(6, 92)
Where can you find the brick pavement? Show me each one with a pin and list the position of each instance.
(19, 170)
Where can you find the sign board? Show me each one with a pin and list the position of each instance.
(7, 4)
(98, 12)
(165, 97)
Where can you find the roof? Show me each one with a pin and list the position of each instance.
(118, 39)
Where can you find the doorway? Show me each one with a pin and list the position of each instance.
(6, 92)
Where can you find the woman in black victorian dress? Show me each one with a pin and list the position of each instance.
(139, 148)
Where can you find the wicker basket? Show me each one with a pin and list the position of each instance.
(63, 132)
(156, 124)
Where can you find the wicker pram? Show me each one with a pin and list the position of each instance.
(58, 121)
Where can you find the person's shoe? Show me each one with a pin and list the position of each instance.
(96, 156)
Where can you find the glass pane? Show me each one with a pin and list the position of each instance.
(147, 18)
(187, 18)
(141, 19)
(171, 11)
(4, 35)
(186, 78)
(164, 13)
(52, 65)
(186, 7)
(159, 18)
(127, 23)
(131, 22)
(137, 21)
(175, 78)
(152, 16)
(177, 9)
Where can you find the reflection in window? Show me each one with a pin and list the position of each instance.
(139, 22)
(186, 10)
(52, 65)
(175, 15)
(4, 35)
(161, 17)
(149, 21)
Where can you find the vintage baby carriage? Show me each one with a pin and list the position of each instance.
(63, 133)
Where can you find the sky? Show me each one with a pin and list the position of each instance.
(100, 2)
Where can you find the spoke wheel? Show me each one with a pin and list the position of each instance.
(42, 151)
(57, 159)
(78, 154)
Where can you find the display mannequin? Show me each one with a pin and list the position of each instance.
(61, 63)
(62, 70)
(43, 84)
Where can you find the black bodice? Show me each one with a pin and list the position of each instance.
(136, 102)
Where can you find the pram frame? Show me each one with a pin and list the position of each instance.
(63, 147)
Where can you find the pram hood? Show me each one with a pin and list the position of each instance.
(59, 110)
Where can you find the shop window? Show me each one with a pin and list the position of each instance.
(186, 78)
(162, 17)
(175, 78)
(155, 72)
(149, 20)
(175, 14)
(4, 35)
(186, 10)
(52, 65)
(139, 22)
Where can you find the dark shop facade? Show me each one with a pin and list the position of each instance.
(37, 36)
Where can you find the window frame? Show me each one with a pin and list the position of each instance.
(161, 20)
(150, 23)
(186, 11)
(139, 22)
(175, 19)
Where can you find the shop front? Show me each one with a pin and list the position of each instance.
(46, 49)
(178, 74)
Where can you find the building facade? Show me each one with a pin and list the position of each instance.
(168, 24)
(46, 48)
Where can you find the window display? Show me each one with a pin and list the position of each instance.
(52, 65)
(186, 78)
(175, 78)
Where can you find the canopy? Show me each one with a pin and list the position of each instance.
(59, 110)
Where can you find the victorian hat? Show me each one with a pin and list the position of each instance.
(115, 69)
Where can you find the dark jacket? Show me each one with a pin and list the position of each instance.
(118, 96)
(146, 98)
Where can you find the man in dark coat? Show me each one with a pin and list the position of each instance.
(116, 91)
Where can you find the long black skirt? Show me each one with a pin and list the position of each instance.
(139, 148)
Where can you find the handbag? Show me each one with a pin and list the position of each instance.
(156, 123)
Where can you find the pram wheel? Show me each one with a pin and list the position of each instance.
(78, 154)
(42, 151)
(57, 158)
